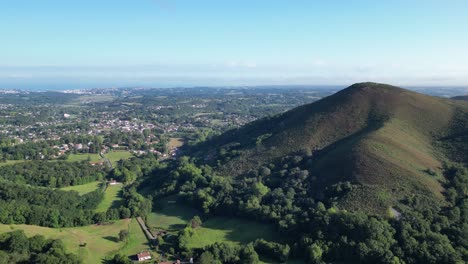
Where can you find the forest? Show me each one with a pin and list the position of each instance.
(315, 229)
(16, 247)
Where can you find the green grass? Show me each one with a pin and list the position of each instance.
(84, 188)
(231, 230)
(175, 216)
(115, 156)
(170, 214)
(101, 241)
(10, 162)
(111, 198)
(81, 157)
(136, 241)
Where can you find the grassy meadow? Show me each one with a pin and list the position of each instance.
(101, 240)
(81, 157)
(111, 198)
(117, 155)
(172, 216)
(10, 162)
(136, 241)
(84, 188)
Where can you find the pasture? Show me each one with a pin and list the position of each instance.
(101, 240)
(116, 155)
(85, 156)
(84, 188)
(111, 198)
(171, 215)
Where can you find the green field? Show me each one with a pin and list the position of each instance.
(232, 230)
(81, 157)
(170, 215)
(10, 162)
(115, 156)
(101, 241)
(84, 188)
(136, 241)
(111, 198)
(173, 216)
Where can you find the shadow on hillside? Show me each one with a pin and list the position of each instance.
(111, 238)
(173, 206)
(117, 202)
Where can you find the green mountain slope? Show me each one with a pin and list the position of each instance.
(387, 141)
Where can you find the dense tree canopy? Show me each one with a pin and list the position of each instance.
(15, 247)
(315, 229)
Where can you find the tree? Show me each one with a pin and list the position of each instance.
(120, 259)
(248, 255)
(18, 242)
(123, 234)
(195, 222)
(206, 258)
(314, 253)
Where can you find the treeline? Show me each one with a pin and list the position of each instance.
(318, 231)
(128, 171)
(25, 204)
(28, 150)
(22, 204)
(16, 247)
(44, 150)
(228, 253)
(52, 174)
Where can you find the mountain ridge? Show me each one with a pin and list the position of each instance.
(382, 138)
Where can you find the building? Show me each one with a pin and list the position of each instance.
(113, 182)
(145, 255)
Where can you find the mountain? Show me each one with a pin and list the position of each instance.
(390, 143)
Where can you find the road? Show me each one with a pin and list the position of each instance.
(145, 229)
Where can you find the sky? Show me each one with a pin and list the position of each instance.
(69, 44)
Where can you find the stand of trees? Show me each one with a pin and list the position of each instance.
(52, 174)
(229, 254)
(28, 150)
(24, 200)
(22, 204)
(16, 247)
(318, 231)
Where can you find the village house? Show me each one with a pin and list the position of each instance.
(113, 182)
(145, 255)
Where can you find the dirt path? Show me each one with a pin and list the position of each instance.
(145, 229)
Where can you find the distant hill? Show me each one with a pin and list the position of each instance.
(388, 141)
(461, 97)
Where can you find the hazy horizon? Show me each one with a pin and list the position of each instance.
(85, 44)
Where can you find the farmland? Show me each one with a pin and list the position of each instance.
(81, 157)
(84, 188)
(115, 156)
(172, 216)
(101, 240)
(111, 198)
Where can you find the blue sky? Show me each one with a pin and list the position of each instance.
(100, 43)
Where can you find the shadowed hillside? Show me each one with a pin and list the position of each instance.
(387, 141)
(461, 97)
